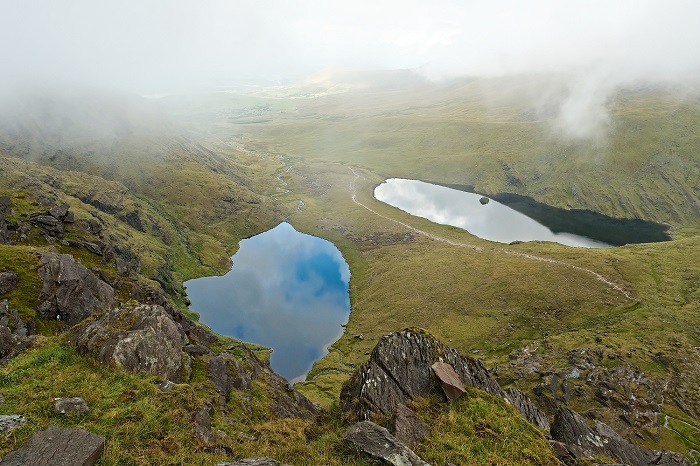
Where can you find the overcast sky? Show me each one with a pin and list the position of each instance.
(152, 45)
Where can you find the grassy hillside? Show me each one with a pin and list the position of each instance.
(224, 167)
(645, 164)
(636, 301)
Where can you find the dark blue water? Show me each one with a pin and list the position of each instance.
(286, 290)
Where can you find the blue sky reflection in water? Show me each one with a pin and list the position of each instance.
(493, 221)
(286, 290)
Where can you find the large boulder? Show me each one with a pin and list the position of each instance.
(571, 429)
(143, 338)
(399, 370)
(70, 292)
(378, 442)
(58, 446)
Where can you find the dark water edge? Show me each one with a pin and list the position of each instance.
(583, 222)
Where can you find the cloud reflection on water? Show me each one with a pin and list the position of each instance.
(286, 290)
(493, 221)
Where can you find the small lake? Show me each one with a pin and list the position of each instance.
(492, 221)
(286, 290)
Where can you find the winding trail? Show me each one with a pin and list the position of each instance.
(596, 275)
(336, 371)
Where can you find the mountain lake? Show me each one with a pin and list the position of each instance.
(480, 216)
(286, 290)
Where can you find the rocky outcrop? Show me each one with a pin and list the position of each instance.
(57, 446)
(52, 222)
(8, 281)
(70, 292)
(399, 370)
(15, 335)
(228, 373)
(196, 333)
(10, 318)
(571, 429)
(5, 204)
(378, 442)
(143, 338)
(527, 408)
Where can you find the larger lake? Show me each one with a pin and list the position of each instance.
(492, 221)
(286, 290)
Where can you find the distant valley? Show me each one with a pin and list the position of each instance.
(162, 190)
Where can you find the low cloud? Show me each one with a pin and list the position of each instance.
(164, 45)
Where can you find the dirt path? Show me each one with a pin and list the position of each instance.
(596, 275)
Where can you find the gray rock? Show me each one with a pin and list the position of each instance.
(221, 376)
(2, 398)
(407, 427)
(48, 224)
(5, 204)
(449, 380)
(9, 422)
(253, 462)
(59, 212)
(399, 370)
(10, 318)
(144, 338)
(196, 350)
(57, 446)
(71, 405)
(527, 408)
(228, 373)
(92, 247)
(4, 232)
(197, 333)
(70, 292)
(166, 385)
(378, 442)
(202, 424)
(8, 281)
(12, 342)
(571, 429)
(568, 454)
(94, 226)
